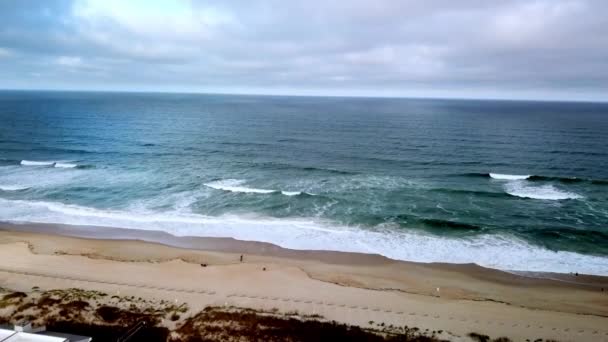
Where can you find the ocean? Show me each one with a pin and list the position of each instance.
(512, 185)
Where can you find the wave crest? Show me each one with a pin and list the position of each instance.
(235, 185)
(37, 163)
(13, 187)
(536, 178)
(66, 165)
(508, 177)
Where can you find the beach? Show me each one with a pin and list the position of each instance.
(346, 287)
(448, 216)
(379, 171)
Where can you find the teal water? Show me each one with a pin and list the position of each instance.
(505, 184)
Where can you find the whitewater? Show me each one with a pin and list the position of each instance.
(308, 234)
(514, 186)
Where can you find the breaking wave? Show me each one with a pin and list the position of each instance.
(311, 234)
(235, 185)
(13, 187)
(508, 177)
(545, 192)
(37, 163)
(537, 178)
(57, 164)
(66, 165)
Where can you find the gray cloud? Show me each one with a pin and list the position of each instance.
(474, 48)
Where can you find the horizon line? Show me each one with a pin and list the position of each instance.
(511, 99)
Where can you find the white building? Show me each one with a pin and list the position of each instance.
(24, 332)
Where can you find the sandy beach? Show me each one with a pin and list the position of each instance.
(347, 287)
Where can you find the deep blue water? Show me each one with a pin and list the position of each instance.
(406, 178)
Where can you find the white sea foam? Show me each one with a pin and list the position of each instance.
(545, 192)
(508, 177)
(495, 251)
(65, 165)
(13, 187)
(235, 185)
(40, 177)
(37, 163)
(180, 201)
(519, 187)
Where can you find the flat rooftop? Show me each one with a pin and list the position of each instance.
(9, 335)
(15, 336)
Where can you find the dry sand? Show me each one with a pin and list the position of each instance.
(346, 287)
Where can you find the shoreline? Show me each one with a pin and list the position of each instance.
(26, 232)
(232, 245)
(346, 287)
(499, 251)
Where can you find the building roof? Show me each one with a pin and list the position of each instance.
(4, 333)
(15, 336)
(68, 337)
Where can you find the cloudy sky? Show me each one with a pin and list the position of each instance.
(543, 49)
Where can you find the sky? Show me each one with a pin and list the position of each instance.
(512, 49)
